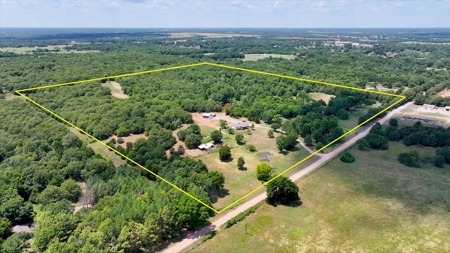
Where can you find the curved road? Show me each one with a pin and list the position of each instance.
(241, 208)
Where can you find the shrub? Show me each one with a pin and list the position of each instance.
(224, 153)
(239, 138)
(263, 172)
(393, 122)
(408, 159)
(346, 157)
(120, 140)
(439, 161)
(251, 147)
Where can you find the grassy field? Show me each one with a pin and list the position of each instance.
(240, 182)
(255, 57)
(99, 148)
(319, 95)
(29, 50)
(372, 205)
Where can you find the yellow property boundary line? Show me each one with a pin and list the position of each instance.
(20, 92)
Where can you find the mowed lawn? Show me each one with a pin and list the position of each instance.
(240, 182)
(372, 205)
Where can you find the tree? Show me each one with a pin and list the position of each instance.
(343, 114)
(224, 153)
(120, 140)
(191, 213)
(193, 141)
(281, 142)
(439, 161)
(263, 172)
(282, 191)
(275, 126)
(72, 188)
(217, 179)
(308, 140)
(15, 243)
(51, 194)
(216, 136)
(239, 138)
(291, 141)
(346, 157)
(253, 125)
(362, 144)
(240, 162)
(5, 228)
(180, 150)
(230, 130)
(270, 133)
(393, 122)
(223, 124)
(318, 146)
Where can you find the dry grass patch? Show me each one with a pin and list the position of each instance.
(116, 89)
(372, 205)
(255, 57)
(319, 95)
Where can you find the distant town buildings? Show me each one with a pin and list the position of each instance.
(343, 43)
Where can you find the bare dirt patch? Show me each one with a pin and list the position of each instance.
(198, 118)
(116, 89)
(444, 94)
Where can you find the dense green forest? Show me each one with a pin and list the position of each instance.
(42, 164)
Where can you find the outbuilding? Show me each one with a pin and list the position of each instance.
(447, 108)
(208, 115)
(206, 146)
(241, 125)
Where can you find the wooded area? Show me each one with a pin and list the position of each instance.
(42, 164)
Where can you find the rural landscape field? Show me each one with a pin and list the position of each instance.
(116, 136)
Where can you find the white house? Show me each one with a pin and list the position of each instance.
(208, 115)
(206, 146)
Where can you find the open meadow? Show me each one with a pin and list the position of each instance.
(255, 57)
(240, 182)
(29, 50)
(375, 204)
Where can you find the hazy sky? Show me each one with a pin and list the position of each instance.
(220, 13)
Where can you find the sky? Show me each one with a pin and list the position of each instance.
(225, 13)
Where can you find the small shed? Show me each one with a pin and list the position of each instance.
(447, 108)
(428, 106)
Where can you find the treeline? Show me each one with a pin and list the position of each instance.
(410, 135)
(38, 166)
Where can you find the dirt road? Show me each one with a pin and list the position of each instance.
(232, 213)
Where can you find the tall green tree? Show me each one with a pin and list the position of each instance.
(282, 191)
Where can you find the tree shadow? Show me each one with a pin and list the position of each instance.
(228, 160)
(295, 203)
(242, 168)
(215, 195)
